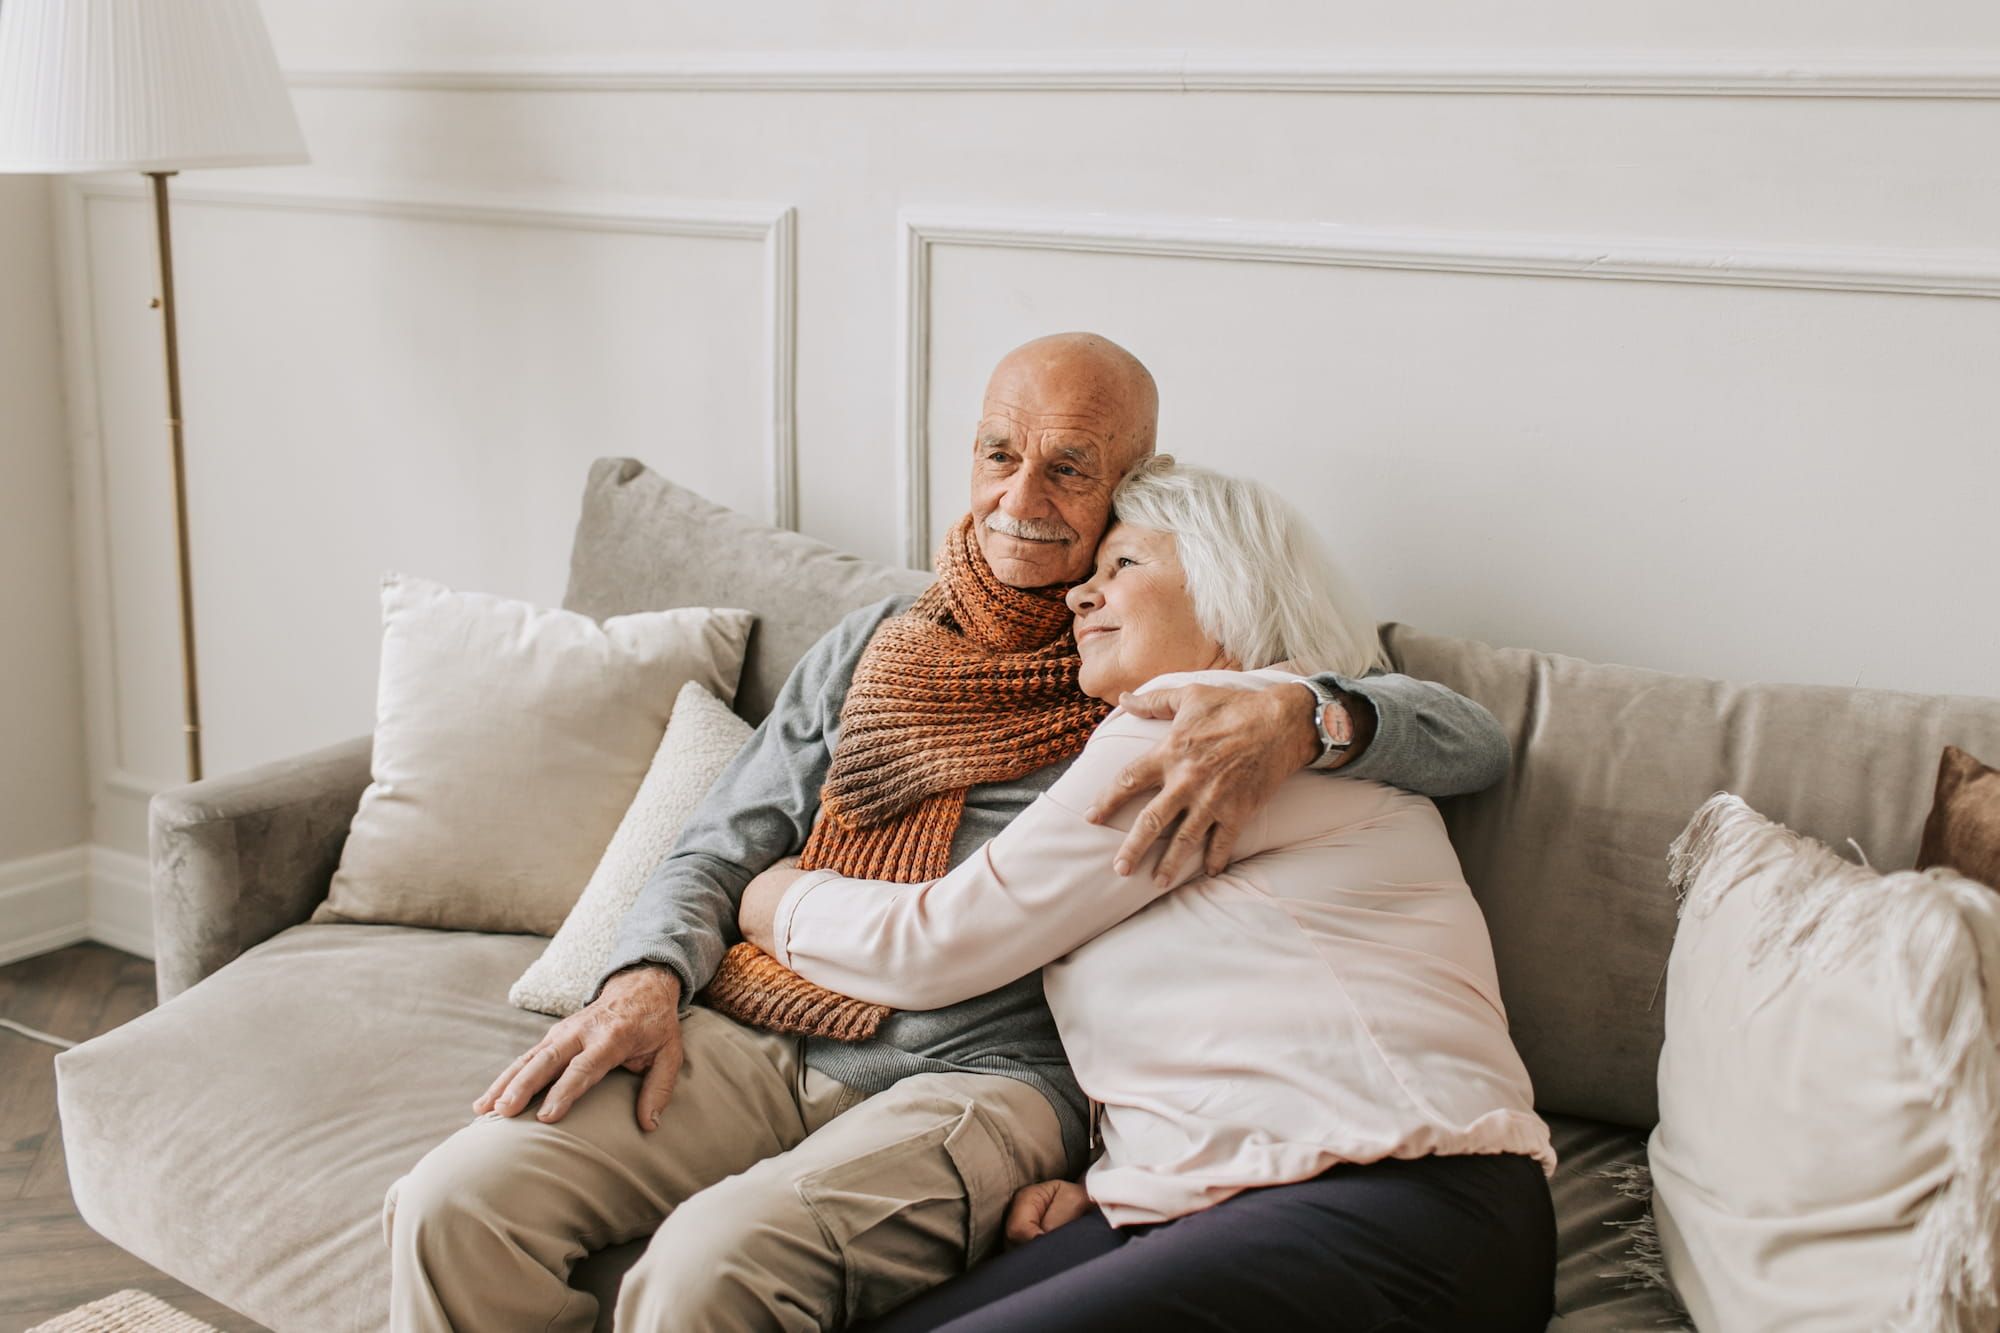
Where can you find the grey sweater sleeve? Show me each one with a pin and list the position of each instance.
(1428, 739)
(759, 811)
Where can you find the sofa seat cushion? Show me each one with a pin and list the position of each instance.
(241, 1136)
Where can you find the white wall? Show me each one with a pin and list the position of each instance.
(44, 813)
(1605, 329)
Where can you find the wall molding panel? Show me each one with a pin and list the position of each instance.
(1605, 73)
(97, 621)
(779, 256)
(773, 227)
(919, 232)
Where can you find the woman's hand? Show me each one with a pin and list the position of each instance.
(1044, 1207)
(757, 914)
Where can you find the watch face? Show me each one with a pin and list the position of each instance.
(1334, 730)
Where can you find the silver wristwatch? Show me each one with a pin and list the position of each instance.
(1322, 696)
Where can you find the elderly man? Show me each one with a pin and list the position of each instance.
(802, 1160)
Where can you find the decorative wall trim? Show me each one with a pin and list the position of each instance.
(1902, 272)
(1612, 73)
(781, 370)
(97, 623)
(78, 893)
(915, 234)
(772, 227)
(121, 901)
(43, 903)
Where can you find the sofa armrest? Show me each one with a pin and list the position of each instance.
(238, 858)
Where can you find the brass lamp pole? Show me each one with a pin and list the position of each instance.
(137, 85)
(162, 232)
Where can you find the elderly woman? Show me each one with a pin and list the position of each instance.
(1311, 1113)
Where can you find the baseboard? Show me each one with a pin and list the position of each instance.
(44, 902)
(78, 893)
(121, 901)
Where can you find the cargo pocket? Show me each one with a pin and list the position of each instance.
(913, 1213)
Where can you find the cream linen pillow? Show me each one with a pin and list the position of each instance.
(508, 742)
(1828, 1151)
(702, 737)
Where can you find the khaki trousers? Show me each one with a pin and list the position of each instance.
(776, 1197)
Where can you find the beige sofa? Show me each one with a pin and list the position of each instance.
(241, 1135)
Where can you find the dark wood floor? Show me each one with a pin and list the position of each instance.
(50, 1261)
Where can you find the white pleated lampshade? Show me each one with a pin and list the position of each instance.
(147, 85)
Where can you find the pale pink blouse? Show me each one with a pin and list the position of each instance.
(1328, 998)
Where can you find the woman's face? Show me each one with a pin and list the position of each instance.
(1134, 618)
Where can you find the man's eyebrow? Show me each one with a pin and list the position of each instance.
(1078, 453)
(991, 436)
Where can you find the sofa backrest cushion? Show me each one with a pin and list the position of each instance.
(645, 544)
(1568, 854)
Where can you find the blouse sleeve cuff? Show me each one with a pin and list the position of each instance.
(781, 926)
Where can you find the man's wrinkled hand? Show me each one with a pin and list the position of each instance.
(633, 1022)
(1041, 1208)
(1225, 756)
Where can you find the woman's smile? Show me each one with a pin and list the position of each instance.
(1138, 578)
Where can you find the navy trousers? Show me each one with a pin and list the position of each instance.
(1435, 1243)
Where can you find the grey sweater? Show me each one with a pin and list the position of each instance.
(1427, 739)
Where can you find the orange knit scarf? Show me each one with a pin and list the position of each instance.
(976, 682)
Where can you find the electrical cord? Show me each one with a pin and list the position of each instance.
(34, 1034)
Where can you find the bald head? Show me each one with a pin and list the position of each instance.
(1065, 417)
(1093, 374)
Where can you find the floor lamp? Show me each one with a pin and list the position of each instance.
(155, 86)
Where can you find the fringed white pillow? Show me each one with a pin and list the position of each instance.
(702, 737)
(1828, 1152)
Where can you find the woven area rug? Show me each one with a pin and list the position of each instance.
(128, 1311)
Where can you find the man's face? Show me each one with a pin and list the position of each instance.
(1055, 437)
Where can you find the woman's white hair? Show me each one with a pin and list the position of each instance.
(1263, 586)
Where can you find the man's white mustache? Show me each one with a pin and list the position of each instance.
(1030, 529)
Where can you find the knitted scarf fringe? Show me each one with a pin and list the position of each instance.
(755, 988)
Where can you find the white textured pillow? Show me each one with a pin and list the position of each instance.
(1828, 1152)
(702, 737)
(508, 742)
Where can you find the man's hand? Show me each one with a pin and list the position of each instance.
(1041, 1208)
(1228, 751)
(757, 914)
(634, 1022)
